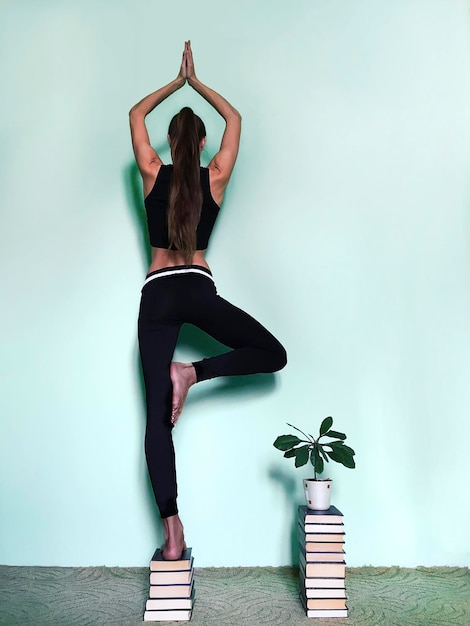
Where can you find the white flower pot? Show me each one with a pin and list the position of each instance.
(317, 493)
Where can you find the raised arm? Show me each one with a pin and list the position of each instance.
(223, 162)
(147, 158)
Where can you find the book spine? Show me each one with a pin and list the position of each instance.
(327, 613)
(171, 591)
(167, 604)
(322, 583)
(170, 578)
(158, 566)
(167, 616)
(319, 546)
(325, 570)
(326, 603)
(323, 529)
(325, 593)
(324, 557)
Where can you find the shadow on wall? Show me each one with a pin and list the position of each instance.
(201, 346)
(288, 485)
(149, 497)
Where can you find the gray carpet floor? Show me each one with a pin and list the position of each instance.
(54, 596)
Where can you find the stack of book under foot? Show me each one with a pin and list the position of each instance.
(322, 567)
(171, 595)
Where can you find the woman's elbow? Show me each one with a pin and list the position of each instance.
(235, 115)
(135, 113)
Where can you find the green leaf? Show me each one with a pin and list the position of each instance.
(322, 452)
(341, 457)
(339, 445)
(336, 434)
(312, 456)
(285, 442)
(318, 465)
(336, 455)
(301, 456)
(325, 425)
(290, 453)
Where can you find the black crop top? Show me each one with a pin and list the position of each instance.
(156, 206)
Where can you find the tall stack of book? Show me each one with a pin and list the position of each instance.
(322, 567)
(171, 595)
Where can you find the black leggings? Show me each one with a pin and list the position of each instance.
(171, 297)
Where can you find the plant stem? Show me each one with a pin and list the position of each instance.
(308, 440)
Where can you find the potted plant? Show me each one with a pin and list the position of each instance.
(317, 490)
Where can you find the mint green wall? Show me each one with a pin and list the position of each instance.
(345, 231)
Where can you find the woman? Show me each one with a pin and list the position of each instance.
(182, 201)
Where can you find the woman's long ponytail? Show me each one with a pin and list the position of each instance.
(185, 200)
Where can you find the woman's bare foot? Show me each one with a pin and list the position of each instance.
(182, 375)
(174, 545)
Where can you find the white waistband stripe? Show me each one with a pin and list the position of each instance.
(185, 270)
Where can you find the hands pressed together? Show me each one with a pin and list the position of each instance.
(187, 64)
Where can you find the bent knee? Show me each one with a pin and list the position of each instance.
(279, 359)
